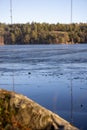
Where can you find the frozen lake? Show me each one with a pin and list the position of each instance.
(55, 76)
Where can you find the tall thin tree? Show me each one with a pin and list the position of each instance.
(11, 11)
(71, 21)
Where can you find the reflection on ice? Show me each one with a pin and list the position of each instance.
(53, 75)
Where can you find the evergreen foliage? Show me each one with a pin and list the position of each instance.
(44, 33)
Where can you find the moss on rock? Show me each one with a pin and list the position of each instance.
(18, 112)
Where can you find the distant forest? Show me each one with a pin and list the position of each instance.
(43, 33)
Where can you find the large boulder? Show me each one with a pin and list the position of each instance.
(18, 112)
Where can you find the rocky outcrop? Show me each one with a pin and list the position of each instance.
(18, 112)
(1, 40)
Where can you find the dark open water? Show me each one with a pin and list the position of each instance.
(55, 76)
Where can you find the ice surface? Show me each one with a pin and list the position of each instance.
(53, 75)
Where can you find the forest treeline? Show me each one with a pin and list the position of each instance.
(43, 33)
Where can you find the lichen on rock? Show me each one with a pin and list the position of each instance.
(18, 112)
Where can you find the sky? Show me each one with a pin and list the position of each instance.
(48, 11)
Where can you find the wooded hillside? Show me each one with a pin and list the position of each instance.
(44, 33)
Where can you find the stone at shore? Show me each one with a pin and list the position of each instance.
(18, 112)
